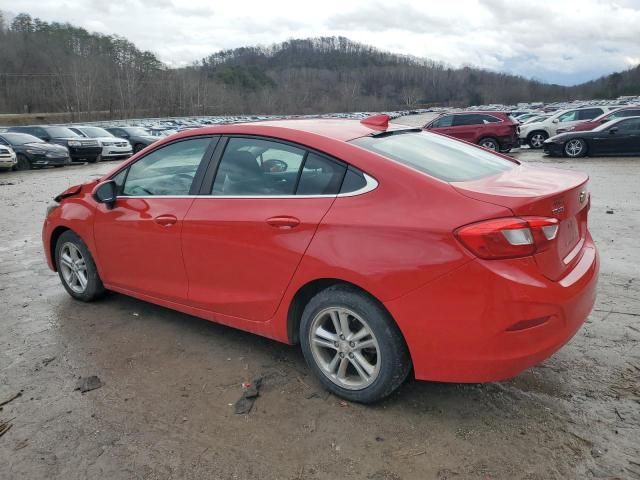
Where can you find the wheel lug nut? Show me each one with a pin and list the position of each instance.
(341, 337)
(352, 344)
(341, 355)
(335, 344)
(351, 355)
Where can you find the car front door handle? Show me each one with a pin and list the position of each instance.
(283, 222)
(165, 220)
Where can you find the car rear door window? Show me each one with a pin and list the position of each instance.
(589, 113)
(257, 167)
(320, 176)
(624, 113)
(169, 170)
(467, 119)
(437, 155)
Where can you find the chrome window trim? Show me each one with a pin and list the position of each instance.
(370, 185)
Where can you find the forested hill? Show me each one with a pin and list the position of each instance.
(53, 67)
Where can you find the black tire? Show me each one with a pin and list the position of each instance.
(505, 150)
(489, 143)
(97, 159)
(137, 147)
(23, 163)
(58, 166)
(537, 138)
(391, 353)
(94, 288)
(575, 148)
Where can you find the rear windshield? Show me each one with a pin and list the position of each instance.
(441, 157)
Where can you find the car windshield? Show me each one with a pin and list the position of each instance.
(137, 131)
(95, 132)
(21, 138)
(61, 132)
(441, 157)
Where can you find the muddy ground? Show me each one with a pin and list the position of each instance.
(165, 409)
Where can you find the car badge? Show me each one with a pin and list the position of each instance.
(558, 207)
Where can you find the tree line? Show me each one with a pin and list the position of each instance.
(56, 67)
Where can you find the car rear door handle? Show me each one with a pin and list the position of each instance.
(284, 222)
(165, 220)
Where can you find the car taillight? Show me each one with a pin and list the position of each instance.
(508, 237)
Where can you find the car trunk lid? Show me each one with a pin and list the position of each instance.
(543, 192)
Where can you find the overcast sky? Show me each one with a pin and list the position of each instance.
(562, 41)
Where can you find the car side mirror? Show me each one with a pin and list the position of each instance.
(106, 192)
(613, 130)
(555, 120)
(46, 138)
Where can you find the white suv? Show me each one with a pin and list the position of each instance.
(8, 158)
(112, 146)
(535, 133)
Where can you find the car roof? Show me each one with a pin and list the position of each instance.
(336, 129)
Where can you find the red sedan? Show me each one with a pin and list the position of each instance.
(380, 249)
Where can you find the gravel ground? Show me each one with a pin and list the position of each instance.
(165, 409)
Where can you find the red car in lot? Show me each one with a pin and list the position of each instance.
(632, 111)
(380, 249)
(492, 130)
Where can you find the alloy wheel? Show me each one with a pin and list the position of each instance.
(489, 144)
(73, 267)
(574, 148)
(537, 140)
(344, 348)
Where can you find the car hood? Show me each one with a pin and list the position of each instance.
(47, 147)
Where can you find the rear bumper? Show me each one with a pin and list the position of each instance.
(466, 326)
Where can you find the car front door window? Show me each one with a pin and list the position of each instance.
(167, 171)
(255, 167)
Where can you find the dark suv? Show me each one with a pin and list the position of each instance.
(492, 130)
(80, 148)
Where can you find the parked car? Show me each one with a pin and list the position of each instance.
(616, 137)
(535, 133)
(492, 130)
(526, 116)
(113, 148)
(381, 249)
(139, 138)
(7, 158)
(34, 152)
(80, 149)
(604, 118)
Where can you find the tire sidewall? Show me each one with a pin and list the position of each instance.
(395, 362)
(489, 139)
(537, 132)
(94, 284)
(23, 163)
(582, 152)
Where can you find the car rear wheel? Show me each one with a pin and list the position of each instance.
(76, 268)
(353, 345)
(23, 163)
(536, 139)
(489, 144)
(575, 148)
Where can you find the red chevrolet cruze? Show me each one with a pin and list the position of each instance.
(380, 249)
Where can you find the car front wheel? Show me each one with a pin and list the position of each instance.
(353, 345)
(76, 268)
(23, 163)
(575, 148)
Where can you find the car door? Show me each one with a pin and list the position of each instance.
(138, 238)
(244, 238)
(628, 135)
(615, 139)
(466, 127)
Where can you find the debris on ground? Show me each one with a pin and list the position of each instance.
(610, 211)
(248, 398)
(5, 426)
(17, 395)
(86, 384)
